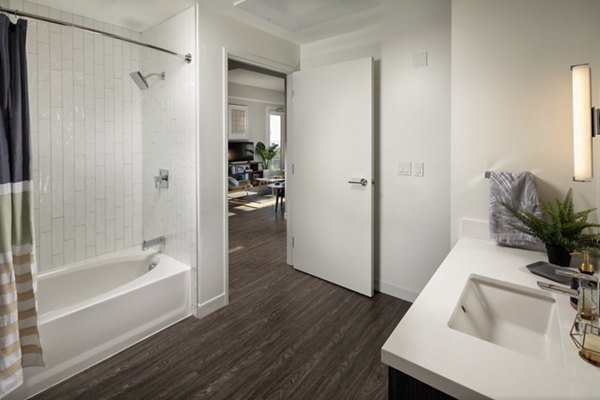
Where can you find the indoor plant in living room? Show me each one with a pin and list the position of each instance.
(266, 154)
(562, 229)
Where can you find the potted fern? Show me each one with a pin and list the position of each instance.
(562, 229)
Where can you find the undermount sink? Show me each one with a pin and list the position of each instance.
(512, 316)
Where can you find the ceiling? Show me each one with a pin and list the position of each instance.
(255, 79)
(299, 21)
(294, 15)
(138, 15)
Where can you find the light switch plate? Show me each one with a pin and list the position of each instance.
(405, 168)
(419, 169)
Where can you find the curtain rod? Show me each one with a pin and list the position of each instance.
(187, 57)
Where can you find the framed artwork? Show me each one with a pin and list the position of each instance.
(238, 122)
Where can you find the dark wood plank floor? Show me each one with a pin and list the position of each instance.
(285, 335)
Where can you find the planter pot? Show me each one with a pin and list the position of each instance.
(558, 255)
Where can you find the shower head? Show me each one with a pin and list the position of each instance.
(140, 80)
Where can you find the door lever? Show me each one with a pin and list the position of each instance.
(362, 182)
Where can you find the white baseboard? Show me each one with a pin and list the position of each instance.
(210, 306)
(396, 291)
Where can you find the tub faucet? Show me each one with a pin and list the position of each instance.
(161, 240)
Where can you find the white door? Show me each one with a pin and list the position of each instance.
(331, 181)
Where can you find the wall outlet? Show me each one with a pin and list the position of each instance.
(405, 168)
(419, 169)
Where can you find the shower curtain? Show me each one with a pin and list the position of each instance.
(19, 339)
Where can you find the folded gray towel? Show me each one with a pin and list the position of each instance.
(517, 189)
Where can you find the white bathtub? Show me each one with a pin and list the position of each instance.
(91, 310)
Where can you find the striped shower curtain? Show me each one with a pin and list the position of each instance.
(19, 339)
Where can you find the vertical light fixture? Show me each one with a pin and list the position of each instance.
(582, 123)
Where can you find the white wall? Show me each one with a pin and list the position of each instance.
(511, 95)
(85, 136)
(169, 138)
(412, 124)
(218, 35)
(256, 99)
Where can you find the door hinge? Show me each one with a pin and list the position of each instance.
(293, 94)
(293, 169)
(293, 241)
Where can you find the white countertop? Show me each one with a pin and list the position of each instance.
(426, 348)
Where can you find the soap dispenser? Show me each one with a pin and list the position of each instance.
(586, 268)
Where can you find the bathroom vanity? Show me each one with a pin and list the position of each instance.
(481, 328)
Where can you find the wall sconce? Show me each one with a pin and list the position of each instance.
(584, 124)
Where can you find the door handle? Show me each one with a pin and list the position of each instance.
(362, 182)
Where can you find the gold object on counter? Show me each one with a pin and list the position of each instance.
(586, 337)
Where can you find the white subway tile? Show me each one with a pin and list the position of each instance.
(32, 38)
(90, 196)
(45, 254)
(100, 216)
(128, 236)
(100, 182)
(137, 229)
(44, 100)
(110, 202)
(101, 243)
(100, 148)
(88, 57)
(127, 180)
(99, 115)
(110, 235)
(109, 104)
(119, 222)
(45, 208)
(119, 244)
(80, 173)
(55, 88)
(78, 67)
(128, 211)
(69, 251)
(78, 103)
(43, 32)
(58, 260)
(69, 221)
(88, 95)
(79, 135)
(55, 52)
(80, 243)
(57, 199)
(67, 43)
(32, 73)
(90, 251)
(44, 138)
(79, 208)
(78, 36)
(108, 70)
(90, 228)
(98, 50)
(57, 236)
(69, 185)
(110, 170)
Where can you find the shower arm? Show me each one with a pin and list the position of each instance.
(162, 75)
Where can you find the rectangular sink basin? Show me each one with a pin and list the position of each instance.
(512, 316)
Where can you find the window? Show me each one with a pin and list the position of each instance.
(276, 136)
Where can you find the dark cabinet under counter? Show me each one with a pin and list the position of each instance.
(404, 387)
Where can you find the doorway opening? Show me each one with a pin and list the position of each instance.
(256, 136)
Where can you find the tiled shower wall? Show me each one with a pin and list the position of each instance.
(86, 138)
(169, 129)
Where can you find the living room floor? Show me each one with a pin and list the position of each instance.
(284, 335)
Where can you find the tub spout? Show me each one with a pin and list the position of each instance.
(161, 240)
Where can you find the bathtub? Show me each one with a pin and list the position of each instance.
(91, 310)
